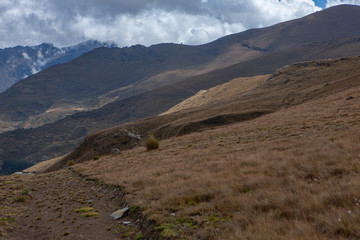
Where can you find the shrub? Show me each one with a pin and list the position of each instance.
(96, 157)
(25, 192)
(152, 143)
(20, 199)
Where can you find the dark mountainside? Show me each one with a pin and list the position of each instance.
(20, 62)
(107, 75)
(94, 79)
(308, 38)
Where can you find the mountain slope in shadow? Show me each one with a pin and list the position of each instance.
(107, 75)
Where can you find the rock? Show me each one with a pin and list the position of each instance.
(119, 213)
(115, 151)
(133, 135)
(127, 223)
(24, 173)
(350, 98)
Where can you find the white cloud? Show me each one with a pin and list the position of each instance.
(67, 22)
(331, 3)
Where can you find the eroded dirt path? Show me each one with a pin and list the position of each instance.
(44, 207)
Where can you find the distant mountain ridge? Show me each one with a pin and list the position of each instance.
(20, 62)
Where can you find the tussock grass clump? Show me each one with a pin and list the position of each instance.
(25, 192)
(152, 143)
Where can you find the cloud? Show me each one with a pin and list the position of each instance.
(67, 22)
(331, 3)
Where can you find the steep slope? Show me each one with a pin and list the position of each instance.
(291, 174)
(310, 80)
(54, 140)
(288, 86)
(20, 62)
(108, 75)
(220, 93)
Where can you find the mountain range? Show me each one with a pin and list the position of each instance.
(51, 112)
(19, 62)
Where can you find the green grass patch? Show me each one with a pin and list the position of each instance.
(168, 230)
(216, 219)
(90, 214)
(9, 182)
(135, 209)
(84, 210)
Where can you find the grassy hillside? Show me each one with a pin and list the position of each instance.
(293, 174)
(56, 139)
(220, 93)
(288, 86)
(291, 171)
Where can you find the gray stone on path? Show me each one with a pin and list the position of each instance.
(119, 213)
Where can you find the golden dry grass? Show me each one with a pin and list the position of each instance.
(293, 174)
(43, 166)
(220, 93)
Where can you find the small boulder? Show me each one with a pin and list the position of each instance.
(115, 151)
(133, 135)
(119, 213)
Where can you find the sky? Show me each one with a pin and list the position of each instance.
(146, 22)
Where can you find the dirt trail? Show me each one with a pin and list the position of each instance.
(44, 207)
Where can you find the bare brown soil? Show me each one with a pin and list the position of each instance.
(45, 207)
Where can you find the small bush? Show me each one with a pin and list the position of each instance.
(25, 192)
(152, 143)
(96, 157)
(20, 199)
